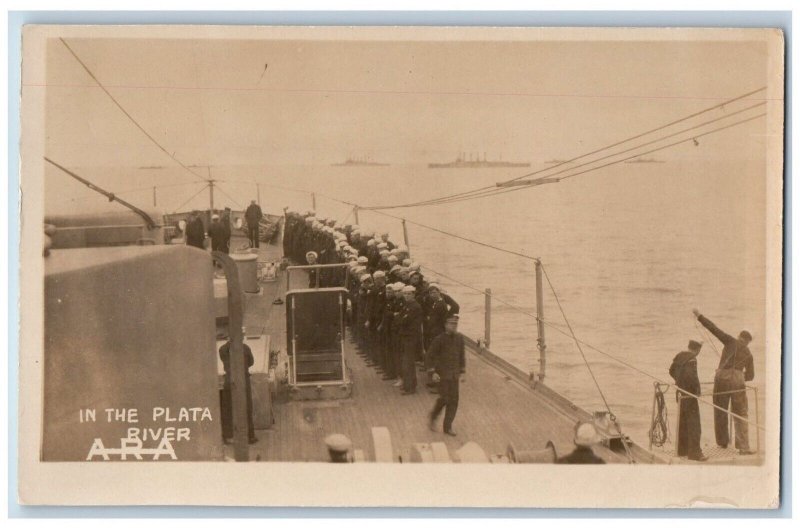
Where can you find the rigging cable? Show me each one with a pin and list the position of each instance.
(495, 191)
(611, 415)
(661, 127)
(229, 197)
(117, 103)
(190, 198)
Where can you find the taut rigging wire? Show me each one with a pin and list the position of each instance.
(656, 129)
(127, 114)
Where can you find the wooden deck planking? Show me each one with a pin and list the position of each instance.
(494, 410)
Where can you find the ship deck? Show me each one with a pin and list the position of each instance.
(495, 408)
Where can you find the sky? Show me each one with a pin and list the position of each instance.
(213, 102)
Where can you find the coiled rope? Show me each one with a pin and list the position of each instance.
(659, 426)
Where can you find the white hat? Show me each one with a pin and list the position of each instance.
(414, 266)
(406, 262)
(378, 274)
(409, 288)
(363, 259)
(364, 277)
(395, 268)
(384, 253)
(214, 216)
(371, 242)
(392, 258)
(586, 434)
(382, 245)
(398, 286)
(311, 253)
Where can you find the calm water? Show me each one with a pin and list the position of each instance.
(630, 250)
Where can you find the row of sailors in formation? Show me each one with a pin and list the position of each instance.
(394, 312)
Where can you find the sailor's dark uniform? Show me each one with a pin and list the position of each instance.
(684, 371)
(735, 368)
(226, 397)
(582, 455)
(448, 359)
(411, 340)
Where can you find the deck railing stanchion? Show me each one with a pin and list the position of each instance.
(540, 320)
(758, 433)
(405, 237)
(487, 324)
(355, 214)
(314, 202)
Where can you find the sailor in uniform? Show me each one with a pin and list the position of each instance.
(449, 362)
(684, 371)
(311, 259)
(585, 437)
(411, 338)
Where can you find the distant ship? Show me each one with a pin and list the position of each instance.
(644, 160)
(359, 162)
(462, 162)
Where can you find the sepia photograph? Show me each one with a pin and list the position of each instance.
(248, 253)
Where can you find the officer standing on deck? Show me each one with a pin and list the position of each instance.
(684, 371)
(735, 368)
(227, 398)
(253, 216)
(447, 357)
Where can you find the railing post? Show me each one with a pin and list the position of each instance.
(405, 237)
(758, 433)
(540, 320)
(487, 315)
(314, 202)
(355, 214)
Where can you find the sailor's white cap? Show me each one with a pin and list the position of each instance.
(379, 273)
(364, 277)
(398, 286)
(311, 254)
(395, 268)
(371, 242)
(382, 245)
(392, 258)
(338, 443)
(363, 259)
(409, 288)
(214, 216)
(586, 434)
(414, 266)
(406, 262)
(384, 253)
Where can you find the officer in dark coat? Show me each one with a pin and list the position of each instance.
(227, 399)
(585, 437)
(448, 359)
(253, 216)
(684, 371)
(195, 231)
(226, 231)
(410, 338)
(735, 368)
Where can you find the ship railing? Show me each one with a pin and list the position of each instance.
(680, 394)
(290, 269)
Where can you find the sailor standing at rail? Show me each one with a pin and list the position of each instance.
(449, 362)
(395, 340)
(411, 339)
(684, 371)
(253, 216)
(735, 368)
